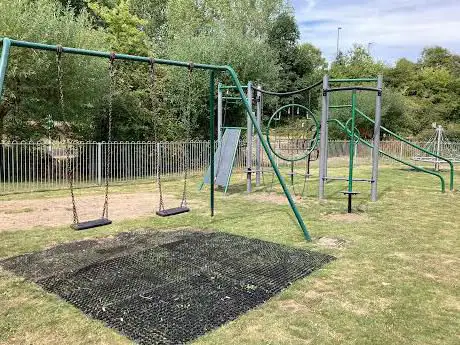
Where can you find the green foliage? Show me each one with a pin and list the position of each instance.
(252, 60)
(282, 37)
(356, 63)
(260, 39)
(431, 87)
(124, 28)
(31, 88)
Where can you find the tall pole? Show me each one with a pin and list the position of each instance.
(211, 134)
(351, 149)
(338, 41)
(249, 142)
(6, 44)
(438, 146)
(219, 114)
(376, 143)
(323, 138)
(258, 147)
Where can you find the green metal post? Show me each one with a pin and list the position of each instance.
(352, 142)
(6, 44)
(292, 204)
(211, 134)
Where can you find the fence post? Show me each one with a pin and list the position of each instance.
(99, 164)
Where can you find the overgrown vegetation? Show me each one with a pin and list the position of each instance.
(260, 39)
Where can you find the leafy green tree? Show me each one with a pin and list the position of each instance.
(356, 63)
(283, 37)
(125, 29)
(31, 94)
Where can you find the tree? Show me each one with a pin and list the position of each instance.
(31, 94)
(283, 37)
(125, 29)
(356, 63)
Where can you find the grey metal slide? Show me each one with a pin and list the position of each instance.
(224, 159)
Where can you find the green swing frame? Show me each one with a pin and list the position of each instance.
(7, 43)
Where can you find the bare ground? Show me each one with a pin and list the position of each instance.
(49, 212)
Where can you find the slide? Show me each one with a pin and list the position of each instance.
(224, 158)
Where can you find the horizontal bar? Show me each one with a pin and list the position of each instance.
(78, 51)
(353, 88)
(226, 127)
(232, 98)
(340, 106)
(356, 80)
(346, 179)
(290, 93)
(231, 87)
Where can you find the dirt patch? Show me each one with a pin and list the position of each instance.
(347, 217)
(27, 214)
(332, 242)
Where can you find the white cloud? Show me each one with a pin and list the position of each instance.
(397, 27)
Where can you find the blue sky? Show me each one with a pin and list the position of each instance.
(396, 28)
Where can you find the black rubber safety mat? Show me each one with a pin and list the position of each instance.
(166, 287)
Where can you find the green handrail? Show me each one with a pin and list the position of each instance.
(346, 130)
(415, 146)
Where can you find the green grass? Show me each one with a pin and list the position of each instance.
(395, 282)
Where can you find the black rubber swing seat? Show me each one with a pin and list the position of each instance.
(91, 224)
(172, 211)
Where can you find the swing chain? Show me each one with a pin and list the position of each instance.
(105, 209)
(187, 134)
(69, 167)
(161, 205)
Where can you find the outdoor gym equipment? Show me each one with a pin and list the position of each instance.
(225, 155)
(441, 145)
(227, 138)
(292, 131)
(7, 43)
(349, 128)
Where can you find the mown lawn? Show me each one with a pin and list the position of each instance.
(396, 280)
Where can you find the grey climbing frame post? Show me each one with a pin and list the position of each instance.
(376, 141)
(219, 113)
(249, 143)
(323, 138)
(258, 147)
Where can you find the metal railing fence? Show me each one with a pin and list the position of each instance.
(39, 166)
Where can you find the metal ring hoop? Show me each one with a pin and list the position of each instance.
(314, 140)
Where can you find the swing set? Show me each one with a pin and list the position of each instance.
(8, 43)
